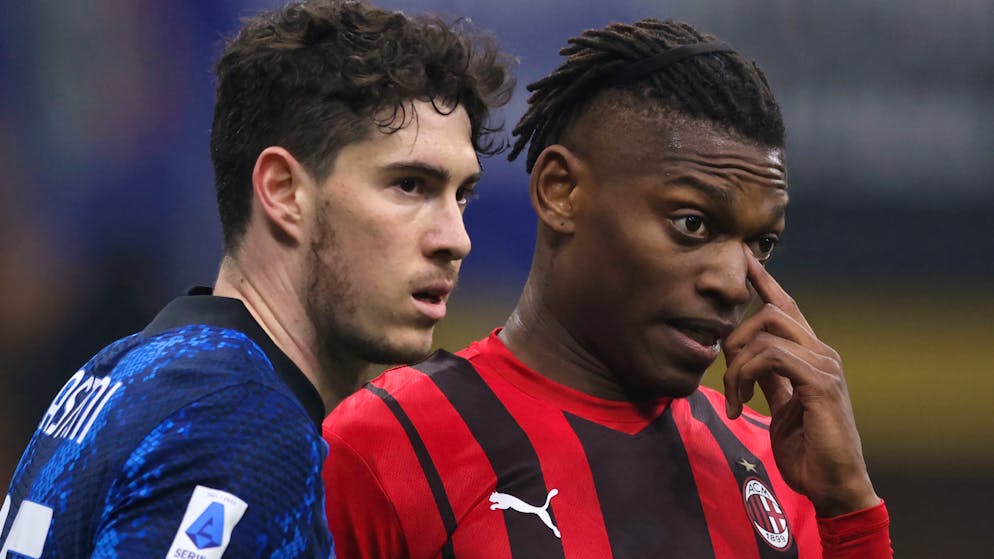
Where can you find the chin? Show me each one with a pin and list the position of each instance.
(653, 388)
(409, 348)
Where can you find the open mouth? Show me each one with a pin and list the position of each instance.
(707, 333)
(707, 339)
(428, 297)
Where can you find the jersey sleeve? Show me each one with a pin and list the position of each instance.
(362, 518)
(233, 474)
(863, 534)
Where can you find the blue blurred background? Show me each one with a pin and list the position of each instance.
(109, 212)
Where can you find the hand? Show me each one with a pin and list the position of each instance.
(812, 432)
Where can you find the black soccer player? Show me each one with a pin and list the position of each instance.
(344, 144)
(580, 429)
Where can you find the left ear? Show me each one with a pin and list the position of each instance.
(277, 183)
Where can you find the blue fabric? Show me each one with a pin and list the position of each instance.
(197, 405)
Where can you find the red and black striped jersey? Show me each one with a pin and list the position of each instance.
(474, 455)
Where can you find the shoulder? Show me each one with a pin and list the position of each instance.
(208, 349)
(240, 430)
(171, 399)
(181, 366)
(244, 453)
(395, 402)
(245, 439)
(378, 400)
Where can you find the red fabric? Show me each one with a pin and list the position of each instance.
(380, 504)
(859, 534)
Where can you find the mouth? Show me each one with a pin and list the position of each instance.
(430, 300)
(701, 336)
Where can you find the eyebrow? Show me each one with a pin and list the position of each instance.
(433, 171)
(721, 194)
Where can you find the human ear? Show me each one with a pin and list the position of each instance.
(554, 190)
(276, 183)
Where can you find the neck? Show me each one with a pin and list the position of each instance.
(272, 298)
(536, 335)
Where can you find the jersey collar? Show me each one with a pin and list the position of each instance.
(200, 306)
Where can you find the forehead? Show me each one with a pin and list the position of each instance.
(620, 142)
(421, 133)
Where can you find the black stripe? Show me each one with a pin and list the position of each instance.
(506, 445)
(430, 471)
(735, 452)
(756, 422)
(646, 489)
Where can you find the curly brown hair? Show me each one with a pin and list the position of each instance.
(318, 75)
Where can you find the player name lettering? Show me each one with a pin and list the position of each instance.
(77, 406)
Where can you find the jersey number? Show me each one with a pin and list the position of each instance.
(29, 531)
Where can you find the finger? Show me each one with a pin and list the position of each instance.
(740, 391)
(772, 368)
(770, 291)
(787, 363)
(772, 320)
(777, 390)
(740, 387)
(733, 404)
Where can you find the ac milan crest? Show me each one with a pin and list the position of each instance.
(766, 514)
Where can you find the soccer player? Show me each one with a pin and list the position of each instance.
(580, 428)
(344, 143)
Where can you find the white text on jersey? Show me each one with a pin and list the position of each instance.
(77, 406)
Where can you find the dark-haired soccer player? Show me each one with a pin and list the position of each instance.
(579, 429)
(342, 173)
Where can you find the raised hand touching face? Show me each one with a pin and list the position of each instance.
(813, 432)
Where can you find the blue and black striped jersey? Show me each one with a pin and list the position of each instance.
(196, 438)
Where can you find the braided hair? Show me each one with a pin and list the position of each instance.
(722, 87)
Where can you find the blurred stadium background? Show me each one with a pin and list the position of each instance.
(108, 208)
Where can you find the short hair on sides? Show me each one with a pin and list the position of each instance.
(722, 87)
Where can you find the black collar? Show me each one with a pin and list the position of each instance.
(199, 306)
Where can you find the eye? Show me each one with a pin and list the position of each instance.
(409, 184)
(466, 194)
(691, 225)
(763, 248)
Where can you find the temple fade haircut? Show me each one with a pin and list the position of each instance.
(718, 84)
(318, 75)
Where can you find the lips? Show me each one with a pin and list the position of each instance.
(704, 331)
(429, 296)
(435, 293)
(430, 299)
(700, 337)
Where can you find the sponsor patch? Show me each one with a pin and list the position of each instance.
(766, 514)
(206, 528)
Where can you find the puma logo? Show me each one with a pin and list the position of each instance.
(505, 501)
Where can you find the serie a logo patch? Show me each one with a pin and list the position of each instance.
(766, 514)
(206, 528)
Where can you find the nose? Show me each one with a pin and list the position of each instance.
(725, 275)
(447, 238)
